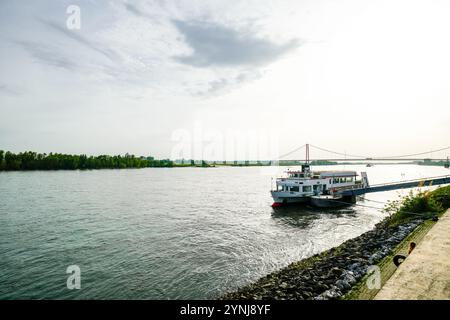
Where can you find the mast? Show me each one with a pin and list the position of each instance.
(307, 153)
(305, 167)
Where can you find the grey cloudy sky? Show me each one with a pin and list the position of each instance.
(370, 77)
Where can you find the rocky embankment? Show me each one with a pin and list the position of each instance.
(330, 274)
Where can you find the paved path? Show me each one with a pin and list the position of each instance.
(425, 274)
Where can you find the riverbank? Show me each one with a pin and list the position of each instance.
(425, 274)
(335, 273)
(386, 266)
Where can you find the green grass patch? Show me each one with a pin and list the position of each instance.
(418, 205)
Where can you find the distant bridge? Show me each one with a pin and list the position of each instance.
(376, 159)
(351, 157)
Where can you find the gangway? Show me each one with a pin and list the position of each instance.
(423, 182)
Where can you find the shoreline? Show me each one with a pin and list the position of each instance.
(342, 272)
(174, 166)
(332, 273)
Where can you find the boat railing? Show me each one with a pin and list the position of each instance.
(355, 186)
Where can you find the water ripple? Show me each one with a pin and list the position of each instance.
(185, 233)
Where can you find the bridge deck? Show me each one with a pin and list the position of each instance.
(425, 182)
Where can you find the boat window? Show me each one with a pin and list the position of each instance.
(306, 188)
(296, 189)
(316, 187)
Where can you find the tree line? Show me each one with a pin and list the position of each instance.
(56, 161)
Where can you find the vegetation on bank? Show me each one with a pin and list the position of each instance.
(428, 162)
(56, 161)
(418, 205)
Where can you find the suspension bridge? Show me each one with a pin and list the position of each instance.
(342, 156)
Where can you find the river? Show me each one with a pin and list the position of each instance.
(165, 233)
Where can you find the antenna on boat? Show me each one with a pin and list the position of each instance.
(305, 167)
(307, 153)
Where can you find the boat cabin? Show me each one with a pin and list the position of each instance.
(309, 183)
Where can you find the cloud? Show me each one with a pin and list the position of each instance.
(139, 52)
(134, 10)
(216, 86)
(54, 53)
(5, 89)
(216, 45)
(72, 34)
(224, 84)
(47, 55)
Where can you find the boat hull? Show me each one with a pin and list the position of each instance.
(282, 199)
(286, 201)
(331, 202)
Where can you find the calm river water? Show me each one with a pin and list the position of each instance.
(181, 233)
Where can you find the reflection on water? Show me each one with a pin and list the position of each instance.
(298, 216)
(157, 233)
(302, 215)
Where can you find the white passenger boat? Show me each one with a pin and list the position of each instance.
(319, 188)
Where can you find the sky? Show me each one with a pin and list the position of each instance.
(223, 79)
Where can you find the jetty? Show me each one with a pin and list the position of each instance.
(424, 182)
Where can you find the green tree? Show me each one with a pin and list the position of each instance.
(55, 161)
(2, 155)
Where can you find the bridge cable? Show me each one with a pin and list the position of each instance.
(338, 153)
(295, 150)
(416, 154)
(374, 158)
